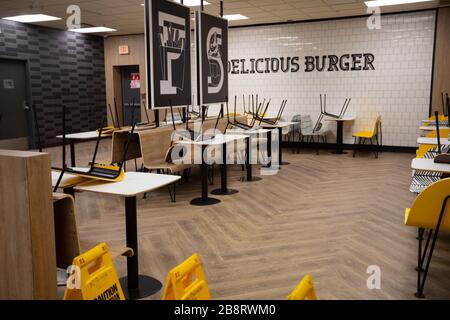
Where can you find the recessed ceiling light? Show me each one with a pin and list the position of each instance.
(30, 18)
(93, 30)
(189, 3)
(231, 17)
(381, 3)
(192, 3)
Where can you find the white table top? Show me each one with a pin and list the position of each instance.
(429, 165)
(247, 132)
(88, 135)
(218, 140)
(68, 180)
(424, 140)
(133, 183)
(432, 128)
(279, 124)
(341, 119)
(428, 121)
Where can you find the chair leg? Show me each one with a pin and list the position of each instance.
(375, 152)
(378, 144)
(422, 279)
(355, 147)
(300, 140)
(317, 145)
(420, 232)
(172, 194)
(421, 282)
(188, 174)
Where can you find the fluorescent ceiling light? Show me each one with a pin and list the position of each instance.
(30, 18)
(93, 30)
(190, 3)
(231, 17)
(381, 3)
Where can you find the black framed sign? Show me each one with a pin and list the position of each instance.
(168, 53)
(212, 58)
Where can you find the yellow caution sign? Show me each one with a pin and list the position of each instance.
(187, 281)
(93, 277)
(303, 290)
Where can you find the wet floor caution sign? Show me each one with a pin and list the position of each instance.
(93, 277)
(187, 281)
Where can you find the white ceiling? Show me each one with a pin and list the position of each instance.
(127, 16)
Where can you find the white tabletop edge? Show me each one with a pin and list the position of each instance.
(134, 183)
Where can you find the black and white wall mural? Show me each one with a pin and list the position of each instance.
(212, 58)
(168, 41)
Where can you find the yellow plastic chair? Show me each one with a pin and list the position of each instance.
(93, 277)
(429, 211)
(362, 136)
(442, 133)
(304, 290)
(187, 281)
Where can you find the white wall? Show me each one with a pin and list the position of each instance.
(398, 89)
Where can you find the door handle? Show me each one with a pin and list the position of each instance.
(26, 107)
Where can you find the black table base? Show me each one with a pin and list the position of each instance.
(226, 192)
(250, 179)
(135, 285)
(204, 201)
(147, 286)
(339, 137)
(223, 190)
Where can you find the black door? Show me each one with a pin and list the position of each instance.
(131, 90)
(14, 109)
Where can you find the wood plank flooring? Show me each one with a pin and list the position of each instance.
(327, 215)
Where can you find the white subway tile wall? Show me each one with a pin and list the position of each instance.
(398, 89)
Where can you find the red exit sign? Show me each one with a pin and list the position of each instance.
(123, 50)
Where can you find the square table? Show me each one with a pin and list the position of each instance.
(222, 140)
(280, 125)
(425, 140)
(429, 165)
(432, 128)
(340, 131)
(135, 286)
(252, 133)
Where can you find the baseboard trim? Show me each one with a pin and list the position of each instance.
(309, 145)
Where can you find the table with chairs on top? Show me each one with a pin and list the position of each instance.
(430, 211)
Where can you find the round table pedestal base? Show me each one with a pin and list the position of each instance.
(147, 286)
(220, 192)
(204, 202)
(254, 179)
